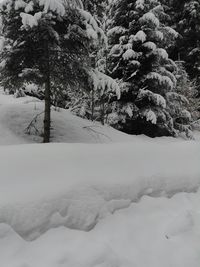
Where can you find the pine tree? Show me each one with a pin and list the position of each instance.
(94, 104)
(185, 16)
(138, 37)
(188, 88)
(96, 8)
(47, 42)
(182, 102)
(189, 27)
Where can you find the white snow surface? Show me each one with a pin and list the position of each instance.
(155, 232)
(150, 17)
(150, 116)
(29, 20)
(96, 199)
(141, 36)
(76, 185)
(17, 113)
(129, 54)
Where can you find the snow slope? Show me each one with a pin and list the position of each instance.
(135, 199)
(17, 113)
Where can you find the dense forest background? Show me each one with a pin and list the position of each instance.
(134, 65)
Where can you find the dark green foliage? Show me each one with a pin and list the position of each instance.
(50, 50)
(185, 17)
(96, 7)
(138, 59)
(25, 52)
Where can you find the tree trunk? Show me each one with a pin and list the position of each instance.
(92, 106)
(47, 99)
(103, 113)
(47, 113)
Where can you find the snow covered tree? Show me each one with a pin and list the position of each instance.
(187, 89)
(138, 37)
(93, 104)
(182, 102)
(48, 43)
(96, 8)
(189, 27)
(185, 16)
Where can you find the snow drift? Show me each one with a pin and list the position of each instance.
(95, 179)
(76, 185)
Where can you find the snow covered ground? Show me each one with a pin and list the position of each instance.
(97, 197)
(17, 113)
(154, 232)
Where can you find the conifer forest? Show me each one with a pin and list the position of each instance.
(99, 133)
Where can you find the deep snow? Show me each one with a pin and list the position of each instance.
(17, 113)
(77, 184)
(100, 198)
(154, 232)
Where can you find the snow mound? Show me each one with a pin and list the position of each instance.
(131, 237)
(76, 185)
(17, 113)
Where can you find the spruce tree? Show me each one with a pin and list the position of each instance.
(47, 42)
(185, 16)
(138, 59)
(96, 8)
(93, 104)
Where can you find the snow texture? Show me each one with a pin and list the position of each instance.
(105, 84)
(129, 54)
(159, 35)
(131, 237)
(29, 20)
(161, 79)
(117, 193)
(139, 4)
(49, 190)
(150, 116)
(150, 17)
(140, 36)
(157, 99)
(116, 30)
(65, 126)
(162, 53)
(53, 5)
(150, 45)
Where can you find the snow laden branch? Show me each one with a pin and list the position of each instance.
(104, 84)
(156, 99)
(93, 31)
(58, 7)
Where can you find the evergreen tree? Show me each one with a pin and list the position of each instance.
(96, 8)
(138, 59)
(46, 42)
(185, 16)
(189, 27)
(189, 89)
(182, 103)
(94, 104)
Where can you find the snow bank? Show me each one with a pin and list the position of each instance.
(155, 232)
(76, 185)
(17, 113)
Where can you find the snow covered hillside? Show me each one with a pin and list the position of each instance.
(97, 197)
(17, 113)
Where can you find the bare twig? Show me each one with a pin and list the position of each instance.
(32, 125)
